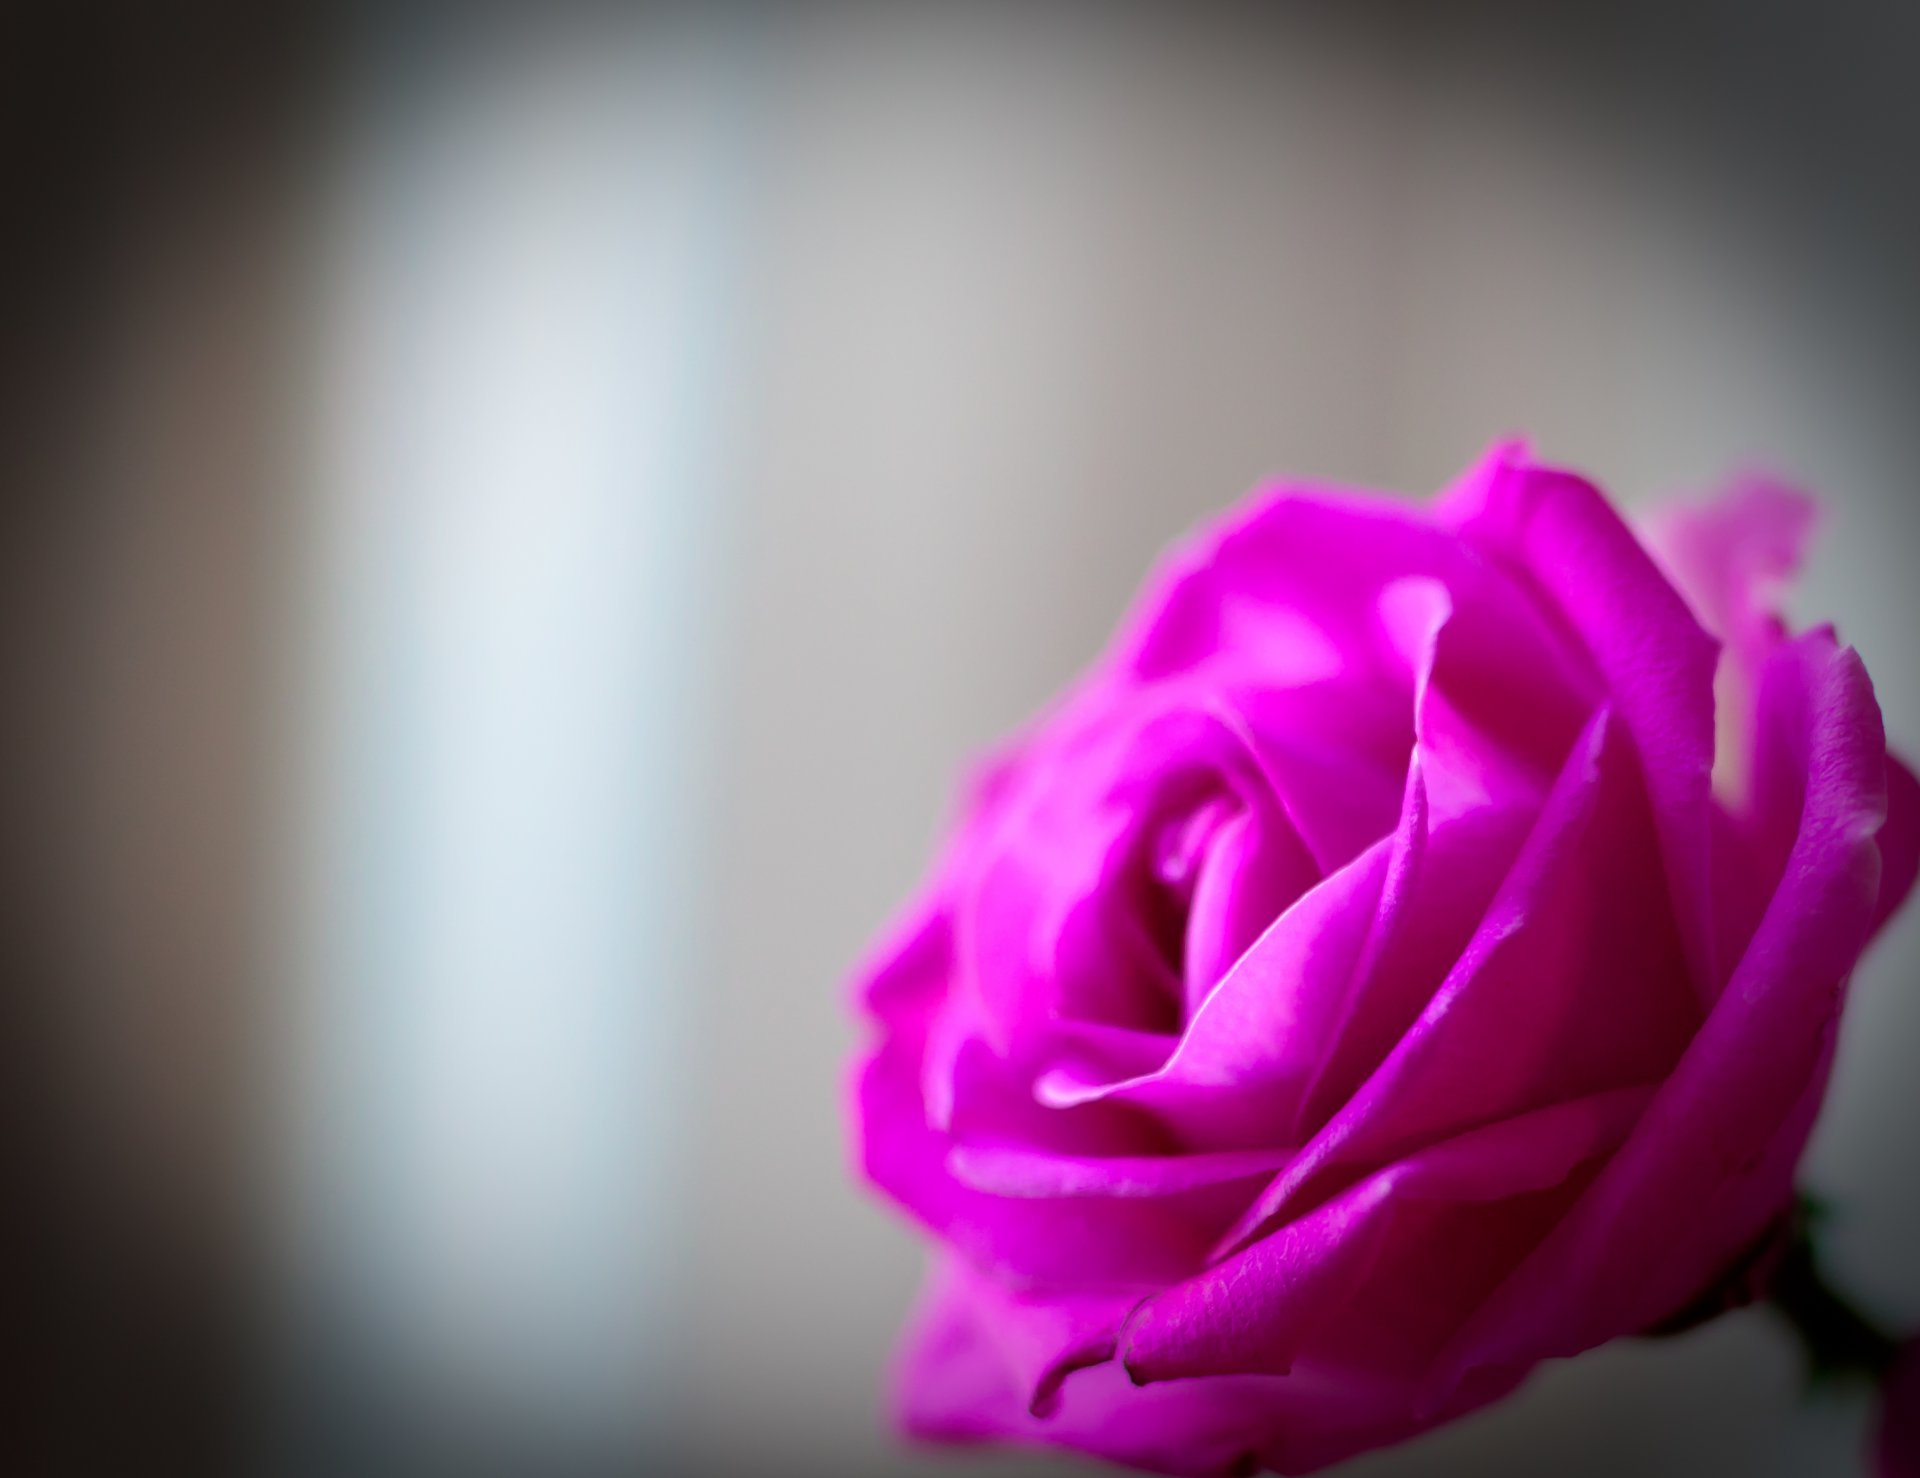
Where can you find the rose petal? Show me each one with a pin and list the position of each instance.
(1006, 1170)
(1230, 605)
(1496, 707)
(954, 1382)
(1041, 1338)
(1572, 984)
(1284, 579)
(1730, 557)
(1440, 881)
(1053, 905)
(1241, 1062)
(1332, 756)
(1899, 842)
(1490, 781)
(1712, 1160)
(1261, 1041)
(1245, 881)
(1657, 662)
(1261, 1309)
(901, 1151)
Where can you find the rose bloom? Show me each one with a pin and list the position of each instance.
(1412, 952)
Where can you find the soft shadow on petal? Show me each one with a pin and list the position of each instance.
(1294, 558)
(1485, 755)
(1731, 557)
(1347, 968)
(1573, 984)
(1439, 884)
(1261, 1309)
(956, 1380)
(1712, 1160)
(1036, 1338)
(1331, 754)
(1012, 1170)
(1483, 761)
(902, 1151)
(1239, 1066)
(1899, 842)
(1059, 912)
(946, 1383)
(1657, 661)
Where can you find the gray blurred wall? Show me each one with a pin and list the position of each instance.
(1008, 299)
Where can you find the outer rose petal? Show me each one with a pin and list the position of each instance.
(1293, 592)
(1729, 558)
(1658, 663)
(1006, 1171)
(1731, 555)
(1712, 1160)
(1572, 985)
(1439, 882)
(954, 1382)
(904, 1154)
(1899, 842)
(1272, 1304)
(1289, 577)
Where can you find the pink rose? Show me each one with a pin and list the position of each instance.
(1367, 983)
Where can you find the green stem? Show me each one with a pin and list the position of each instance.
(1838, 1338)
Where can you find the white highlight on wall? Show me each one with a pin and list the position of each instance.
(512, 612)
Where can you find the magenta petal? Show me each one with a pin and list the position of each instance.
(1657, 661)
(902, 1152)
(1367, 1013)
(1899, 841)
(1496, 704)
(1005, 1170)
(1333, 758)
(955, 1382)
(1024, 1241)
(906, 969)
(1285, 582)
(1712, 1160)
(948, 1385)
(1243, 883)
(1243, 1060)
(1100, 1053)
(1028, 941)
(1730, 557)
(1261, 1309)
(1059, 907)
(1471, 827)
(1038, 1339)
(1573, 984)
(1440, 881)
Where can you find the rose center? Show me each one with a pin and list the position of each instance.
(1177, 852)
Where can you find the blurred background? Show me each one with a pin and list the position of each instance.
(514, 516)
